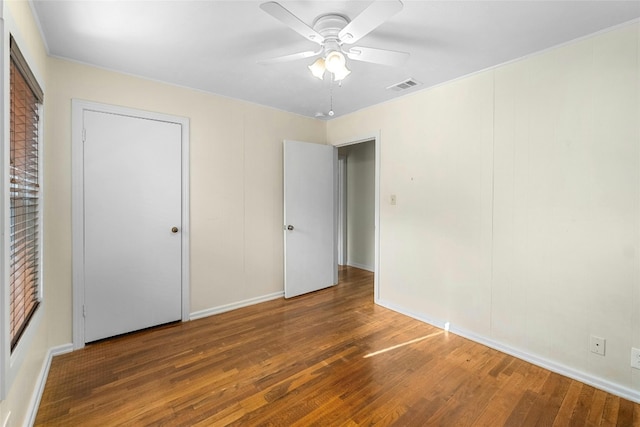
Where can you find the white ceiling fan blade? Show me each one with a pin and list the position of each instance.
(287, 58)
(368, 20)
(283, 15)
(377, 56)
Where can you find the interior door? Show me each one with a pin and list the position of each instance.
(309, 217)
(132, 221)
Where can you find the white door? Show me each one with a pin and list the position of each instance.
(310, 249)
(132, 223)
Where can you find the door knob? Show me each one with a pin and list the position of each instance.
(289, 227)
(174, 230)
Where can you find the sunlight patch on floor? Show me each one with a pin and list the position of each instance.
(384, 350)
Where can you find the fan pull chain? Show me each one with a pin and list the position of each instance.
(331, 100)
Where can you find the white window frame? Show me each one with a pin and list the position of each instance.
(11, 361)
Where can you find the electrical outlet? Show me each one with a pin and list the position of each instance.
(635, 358)
(597, 345)
(392, 199)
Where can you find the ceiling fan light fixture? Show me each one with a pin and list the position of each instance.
(318, 68)
(332, 31)
(334, 61)
(341, 74)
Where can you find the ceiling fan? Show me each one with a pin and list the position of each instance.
(334, 32)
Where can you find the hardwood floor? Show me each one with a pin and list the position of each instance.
(328, 358)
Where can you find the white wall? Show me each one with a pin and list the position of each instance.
(566, 209)
(518, 205)
(360, 184)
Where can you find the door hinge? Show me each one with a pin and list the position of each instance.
(84, 311)
(84, 135)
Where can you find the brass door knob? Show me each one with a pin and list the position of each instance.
(174, 230)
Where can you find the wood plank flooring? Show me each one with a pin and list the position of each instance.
(330, 358)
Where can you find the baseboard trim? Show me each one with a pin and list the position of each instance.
(360, 266)
(584, 377)
(36, 396)
(234, 305)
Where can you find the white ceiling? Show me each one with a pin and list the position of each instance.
(214, 45)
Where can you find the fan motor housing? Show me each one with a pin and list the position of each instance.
(329, 25)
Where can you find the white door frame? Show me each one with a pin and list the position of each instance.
(77, 203)
(342, 210)
(375, 137)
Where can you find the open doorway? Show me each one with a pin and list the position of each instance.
(356, 237)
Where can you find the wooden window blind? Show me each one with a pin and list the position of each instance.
(26, 98)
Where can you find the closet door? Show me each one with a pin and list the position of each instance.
(132, 223)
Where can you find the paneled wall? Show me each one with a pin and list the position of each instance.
(518, 205)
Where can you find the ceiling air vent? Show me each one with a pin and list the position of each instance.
(404, 85)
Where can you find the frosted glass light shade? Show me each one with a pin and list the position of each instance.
(317, 68)
(341, 73)
(334, 61)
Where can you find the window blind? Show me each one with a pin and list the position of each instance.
(24, 235)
